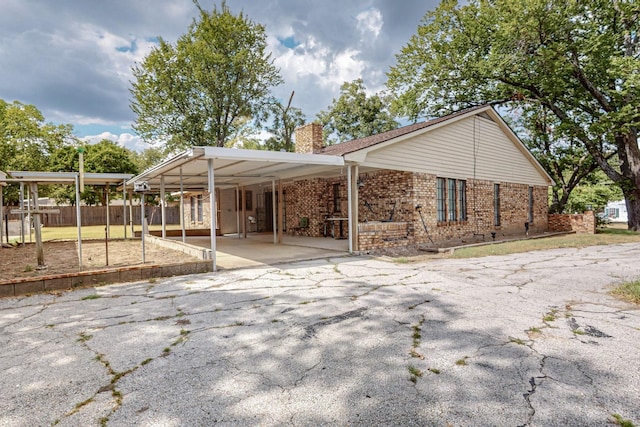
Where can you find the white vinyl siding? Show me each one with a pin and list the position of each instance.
(457, 149)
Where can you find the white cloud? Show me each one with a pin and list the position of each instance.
(369, 23)
(126, 140)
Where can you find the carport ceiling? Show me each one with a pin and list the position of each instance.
(236, 167)
(67, 177)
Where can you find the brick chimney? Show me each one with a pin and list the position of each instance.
(309, 138)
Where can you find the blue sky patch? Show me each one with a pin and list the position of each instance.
(289, 42)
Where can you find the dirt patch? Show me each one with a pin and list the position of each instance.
(62, 257)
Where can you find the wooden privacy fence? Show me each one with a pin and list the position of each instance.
(97, 215)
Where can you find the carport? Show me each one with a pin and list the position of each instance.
(210, 168)
(34, 178)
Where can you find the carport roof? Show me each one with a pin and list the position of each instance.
(236, 167)
(66, 177)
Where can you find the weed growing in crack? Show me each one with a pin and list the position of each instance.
(414, 353)
(551, 316)
(274, 320)
(166, 351)
(153, 280)
(414, 373)
(462, 362)
(629, 291)
(103, 421)
(401, 260)
(28, 268)
(92, 296)
(84, 337)
(145, 361)
(578, 332)
(534, 330)
(434, 370)
(618, 420)
(304, 302)
(516, 341)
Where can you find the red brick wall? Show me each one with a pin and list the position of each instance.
(381, 190)
(580, 223)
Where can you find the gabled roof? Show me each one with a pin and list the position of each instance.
(358, 144)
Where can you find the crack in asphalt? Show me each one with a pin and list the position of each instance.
(311, 330)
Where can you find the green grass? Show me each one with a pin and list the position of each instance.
(92, 296)
(605, 236)
(629, 291)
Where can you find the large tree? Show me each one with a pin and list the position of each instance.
(193, 93)
(286, 118)
(578, 59)
(355, 114)
(27, 142)
(104, 157)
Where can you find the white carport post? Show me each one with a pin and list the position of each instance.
(78, 221)
(22, 212)
(108, 189)
(237, 194)
(356, 207)
(2, 184)
(124, 206)
(349, 208)
(280, 211)
(212, 205)
(273, 206)
(182, 226)
(162, 209)
(244, 212)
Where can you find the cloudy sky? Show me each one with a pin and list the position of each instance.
(72, 58)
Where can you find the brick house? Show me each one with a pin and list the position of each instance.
(459, 177)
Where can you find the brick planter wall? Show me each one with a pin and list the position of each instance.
(580, 223)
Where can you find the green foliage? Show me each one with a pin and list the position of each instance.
(355, 115)
(149, 157)
(27, 142)
(193, 93)
(285, 121)
(104, 157)
(577, 59)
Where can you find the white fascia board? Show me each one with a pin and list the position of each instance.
(271, 156)
(167, 165)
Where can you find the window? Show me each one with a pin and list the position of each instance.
(193, 209)
(248, 195)
(613, 212)
(451, 200)
(200, 214)
(496, 204)
(336, 197)
(462, 200)
(530, 205)
(440, 199)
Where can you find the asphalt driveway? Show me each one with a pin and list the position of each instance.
(523, 340)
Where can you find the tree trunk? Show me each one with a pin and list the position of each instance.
(629, 156)
(633, 210)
